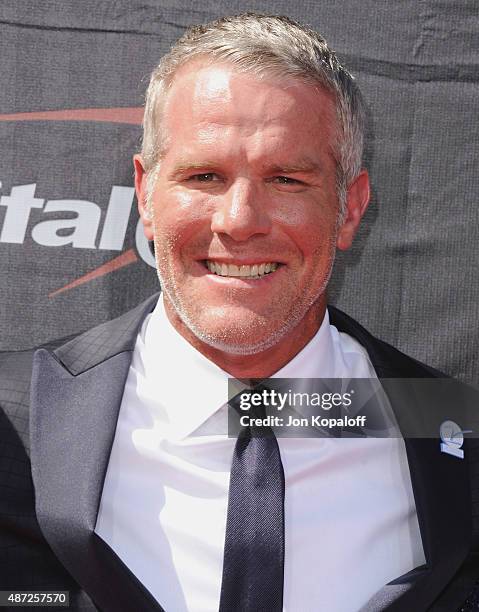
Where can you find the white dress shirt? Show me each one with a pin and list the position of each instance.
(350, 518)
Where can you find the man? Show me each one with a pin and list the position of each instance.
(249, 179)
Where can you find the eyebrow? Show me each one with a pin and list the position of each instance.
(182, 167)
(306, 166)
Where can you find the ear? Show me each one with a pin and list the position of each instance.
(357, 201)
(141, 191)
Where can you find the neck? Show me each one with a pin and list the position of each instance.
(264, 363)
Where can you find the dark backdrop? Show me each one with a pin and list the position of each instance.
(72, 79)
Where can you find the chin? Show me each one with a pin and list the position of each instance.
(244, 337)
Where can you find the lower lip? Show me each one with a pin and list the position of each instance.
(243, 281)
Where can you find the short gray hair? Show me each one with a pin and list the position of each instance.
(263, 45)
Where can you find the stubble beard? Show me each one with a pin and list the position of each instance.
(231, 339)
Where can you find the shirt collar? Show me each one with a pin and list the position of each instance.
(190, 388)
(315, 359)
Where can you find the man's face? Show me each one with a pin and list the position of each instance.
(247, 185)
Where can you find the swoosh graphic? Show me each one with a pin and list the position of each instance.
(126, 258)
(130, 115)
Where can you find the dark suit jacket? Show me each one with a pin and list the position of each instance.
(57, 424)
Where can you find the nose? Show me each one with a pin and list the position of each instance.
(241, 212)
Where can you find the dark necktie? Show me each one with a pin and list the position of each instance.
(254, 543)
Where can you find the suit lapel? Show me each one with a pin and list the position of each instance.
(440, 485)
(75, 399)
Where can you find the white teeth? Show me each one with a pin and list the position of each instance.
(247, 271)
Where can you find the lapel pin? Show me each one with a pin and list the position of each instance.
(452, 439)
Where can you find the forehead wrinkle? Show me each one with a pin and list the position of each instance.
(209, 133)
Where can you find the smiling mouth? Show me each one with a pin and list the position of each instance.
(253, 271)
